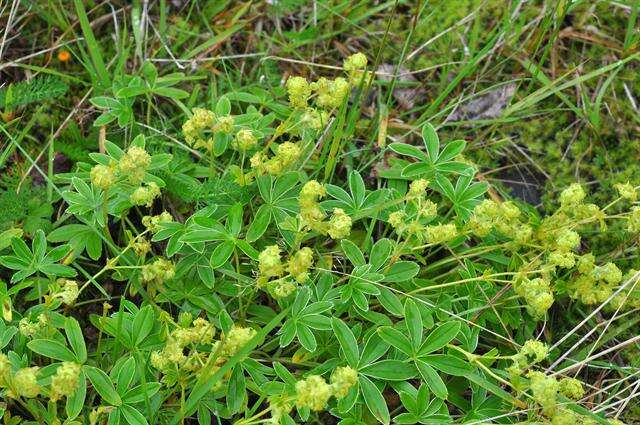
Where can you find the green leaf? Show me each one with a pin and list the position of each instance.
(451, 150)
(432, 379)
(374, 400)
(408, 150)
(141, 392)
(259, 224)
(380, 253)
(221, 254)
(390, 301)
(490, 386)
(352, 252)
(103, 385)
(401, 271)
(448, 364)
(236, 390)
(132, 415)
(389, 370)
(431, 141)
(142, 324)
(396, 339)
(52, 349)
(76, 340)
(234, 219)
(356, 186)
(126, 374)
(440, 337)
(413, 322)
(306, 338)
(75, 401)
(347, 341)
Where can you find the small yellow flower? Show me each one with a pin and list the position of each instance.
(313, 393)
(339, 224)
(571, 388)
(244, 140)
(145, 195)
(134, 164)
(330, 93)
(355, 62)
(69, 292)
(342, 379)
(545, 390)
(24, 383)
(269, 262)
(300, 263)
(65, 381)
(441, 233)
(103, 176)
(299, 91)
(571, 196)
(236, 339)
(152, 222)
(627, 191)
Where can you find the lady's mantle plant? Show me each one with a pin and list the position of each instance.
(278, 293)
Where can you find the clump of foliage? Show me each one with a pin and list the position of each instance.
(221, 212)
(274, 293)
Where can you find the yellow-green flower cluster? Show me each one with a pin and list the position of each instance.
(312, 217)
(504, 217)
(330, 93)
(152, 222)
(629, 297)
(29, 328)
(173, 357)
(634, 220)
(158, 272)
(441, 233)
(194, 128)
(545, 390)
(24, 383)
(5, 369)
(310, 213)
(314, 119)
(237, 338)
(145, 195)
(300, 263)
(68, 291)
(141, 246)
(287, 154)
(355, 66)
(571, 388)
(271, 267)
(594, 284)
(299, 91)
(103, 176)
(532, 352)
(65, 381)
(627, 191)
(572, 196)
(134, 164)
(244, 140)
(314, 392)
(411, 220)
(536, 293)
(342, 379)
(339, 225)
